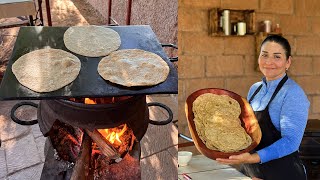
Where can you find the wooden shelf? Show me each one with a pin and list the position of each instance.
(236, 15)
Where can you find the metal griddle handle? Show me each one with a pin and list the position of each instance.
(172, 59)
(17, 120)
(164, 107)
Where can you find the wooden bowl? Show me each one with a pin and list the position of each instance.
(247, 117)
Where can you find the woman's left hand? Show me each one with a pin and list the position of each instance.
(240, 159)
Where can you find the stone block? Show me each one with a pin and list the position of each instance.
(294, 25)
(241, 85)
(308, 45)
(158, 138)
(182, 115)
(277, 7)
(173, 151)
(224, 66)
(196, 84)
(315, 25)
(251, 66)
(21, 153)
(300, 9)
(3, 164)
(315, 104)
(310, 84)
(316, 65)
(36, 131)
(193, 19)
(40, 141)
(301, 66)
(151, 168)
(191, 66)
(248, 4)
(200, 44)
(33, 172)
(199, 4)
(181, 89)
(239, 45)
(312, 7)
(314, 116)
(8, 128)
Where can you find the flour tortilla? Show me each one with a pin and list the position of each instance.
(46, 70)
(217, 108)
(133, 67)
(217, 123)
(91, 41)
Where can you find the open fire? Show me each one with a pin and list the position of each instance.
(107, 153)
(113, 134)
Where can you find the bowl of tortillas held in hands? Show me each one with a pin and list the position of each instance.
(221, 123)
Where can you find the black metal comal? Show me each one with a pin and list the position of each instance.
(88, 83)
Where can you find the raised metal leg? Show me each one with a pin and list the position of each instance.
(31, 20)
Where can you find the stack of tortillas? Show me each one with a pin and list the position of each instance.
(133, 67)
(91, 41)
(46, 70)
(217, 123)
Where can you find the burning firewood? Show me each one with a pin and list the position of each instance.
(82, 166)
(106, 148)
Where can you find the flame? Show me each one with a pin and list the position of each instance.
(89, 101)
(113, 134)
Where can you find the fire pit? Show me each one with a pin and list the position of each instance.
(96, 138)
(101, 134)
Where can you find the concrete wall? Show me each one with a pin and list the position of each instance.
(229, 62)
(161, 15)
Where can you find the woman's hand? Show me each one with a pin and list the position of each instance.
(240, 159)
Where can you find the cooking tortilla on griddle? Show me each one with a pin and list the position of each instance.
(46, 70)
(133, 67)
(217, 123)
(91, 41)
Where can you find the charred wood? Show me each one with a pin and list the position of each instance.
(82, 166)
(105, 147)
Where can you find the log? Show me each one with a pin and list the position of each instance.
(82, 166)
(106, 148)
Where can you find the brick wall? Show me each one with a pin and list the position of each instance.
(161, 15)
(229, 62)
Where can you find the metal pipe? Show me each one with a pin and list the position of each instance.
(40, 11)
(185, 137)
(109, 12)
(129, 12)
(48, 13)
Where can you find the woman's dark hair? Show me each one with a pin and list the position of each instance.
(280, 40)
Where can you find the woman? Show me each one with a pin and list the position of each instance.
(281, 108)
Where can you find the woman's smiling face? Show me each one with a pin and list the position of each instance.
(273, 61)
